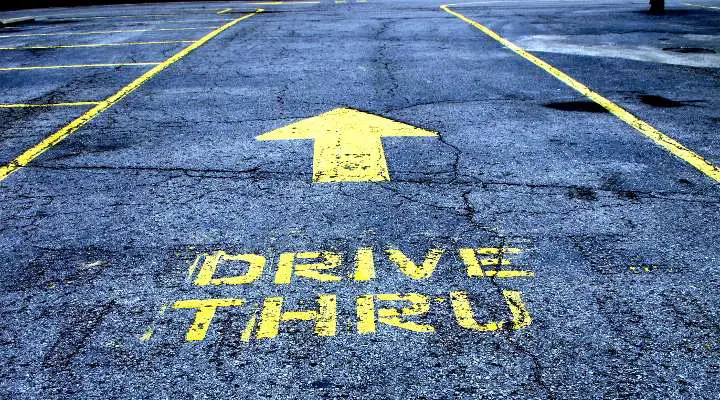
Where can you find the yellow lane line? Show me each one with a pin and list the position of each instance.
(149, 22)
(72, 17)
(138, 64)
(72, 104)
(105, 32)
(702, 5)
(224, 11)
(30, 154)
(72, 46)
(271, 3)
(666, 142)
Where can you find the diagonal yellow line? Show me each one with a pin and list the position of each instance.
(663, 140)
(72, 46)
(224, 11)
(104, 32)
(30, 154)
(69, 104)
(138, 64)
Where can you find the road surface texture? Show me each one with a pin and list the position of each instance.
(362, 200)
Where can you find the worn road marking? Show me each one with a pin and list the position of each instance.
(75, 16)
(144, 21)
(105, 32)
(668, 143)
(72, 46)
(50, 141)
(275, 3)
(348, 144)
(702, 5)
(224, 11)
(151, 329)
(137, 64)
(69, 104)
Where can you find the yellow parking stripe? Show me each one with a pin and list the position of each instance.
(140, 19)
(105, 32)
(140, 64)
(113, 16)
(72, 104)
(274, 3)
(30, 154)
(666, 142)
(73, 46)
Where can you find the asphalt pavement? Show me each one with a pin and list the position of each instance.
(362, 200)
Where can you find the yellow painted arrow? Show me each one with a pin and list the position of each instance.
(348, 144)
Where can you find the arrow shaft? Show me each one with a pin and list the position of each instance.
(349, 157)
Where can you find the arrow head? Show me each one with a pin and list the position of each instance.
(344, 121)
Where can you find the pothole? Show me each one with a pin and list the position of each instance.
(582, 106)
(664, 102)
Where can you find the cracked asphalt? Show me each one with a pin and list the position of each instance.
(612, 240)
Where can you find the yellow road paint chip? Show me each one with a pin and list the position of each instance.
(70, 104)
(107, 32)
(73, 46)
(348, 144)
(224, 11)
(666, 142)
(139, 64)
(30, 154)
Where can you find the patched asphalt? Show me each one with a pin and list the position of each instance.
(106, 230)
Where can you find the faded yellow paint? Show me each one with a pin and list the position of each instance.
(73, 46)
(287, 267)
(192, 267)
(50, 141)
(69, 104)
(469, 256)
(466, 318)
(255, 266)
(702, 6)
(76, 17)
(275, 3)
(249, 328)
(348, 144)
(150, 331)
(133, 64)
(325, 317)
(368, 316)
(203, 316)
(408, 266)
(14, 35)
(661, 139)
(224, 11)
(148, 334)
(364, 264)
